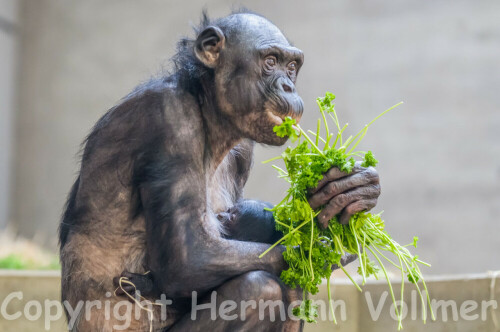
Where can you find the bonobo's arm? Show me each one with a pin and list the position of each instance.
(184, 249)
(245, 221)
(249, 221)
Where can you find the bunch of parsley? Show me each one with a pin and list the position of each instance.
(311, 252)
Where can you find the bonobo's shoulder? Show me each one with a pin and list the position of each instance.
(159, 89)
(163, 93)
(175, 112)
(154, 109)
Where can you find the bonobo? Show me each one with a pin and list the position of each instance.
(161, 181)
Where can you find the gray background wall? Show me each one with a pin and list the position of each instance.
(8, 48)
(439, 152)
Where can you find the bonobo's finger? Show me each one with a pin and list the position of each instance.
(347, 259)
(334, 174)
(341, 201)
(358, 206)
(333, 188)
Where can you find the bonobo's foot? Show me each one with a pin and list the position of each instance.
(132, 283)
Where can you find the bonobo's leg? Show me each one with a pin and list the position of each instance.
(249, 221)
(262, 304)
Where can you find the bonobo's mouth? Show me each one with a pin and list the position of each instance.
(277, 118)
(277, 109)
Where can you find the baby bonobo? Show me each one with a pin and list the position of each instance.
(161, 182)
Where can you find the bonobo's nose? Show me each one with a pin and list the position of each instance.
(285, 85)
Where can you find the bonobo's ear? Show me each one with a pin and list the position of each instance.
(208, 45)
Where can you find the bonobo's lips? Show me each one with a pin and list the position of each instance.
(278, 109)
(278, 117)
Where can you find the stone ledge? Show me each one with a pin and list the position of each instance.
(45, 285)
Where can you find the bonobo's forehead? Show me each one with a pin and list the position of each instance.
(254, 30)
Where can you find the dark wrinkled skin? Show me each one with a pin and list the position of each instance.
(161, 181)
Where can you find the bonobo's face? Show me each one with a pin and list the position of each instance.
(255, 77)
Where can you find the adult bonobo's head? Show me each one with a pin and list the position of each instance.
(253, 69)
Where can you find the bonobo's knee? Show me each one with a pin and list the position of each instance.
(260, 285)
(263, 299)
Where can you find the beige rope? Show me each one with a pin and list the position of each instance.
(125, 280)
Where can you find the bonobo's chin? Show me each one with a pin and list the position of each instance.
(274, 141)
(275, 118)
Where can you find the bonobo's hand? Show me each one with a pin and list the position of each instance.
(344, 193)
(132, 283)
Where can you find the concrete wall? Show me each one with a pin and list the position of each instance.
(440, 152)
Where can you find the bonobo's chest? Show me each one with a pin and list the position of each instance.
(225, 184)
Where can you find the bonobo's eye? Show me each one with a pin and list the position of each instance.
(291, 69)
(270, 63)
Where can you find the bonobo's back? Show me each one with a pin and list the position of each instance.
(102, 231)
(111, 151)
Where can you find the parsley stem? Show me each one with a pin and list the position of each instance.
(283, 238)
(340, 134)
(317, 132)
(317, 136)
(385, 257)
(327, 146)
(311, 246)
(347, 142)
(335, 143)
(330, 304)
(349, 276)
(310, 141)
(279, 169)
(386, 278)
(335, 118)
(359, 133)
(322, 111)
(422, 300)
(387, 110)
(363, 274)
(359, 140)
(400, 325)
(427, 292)
(272, 159)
